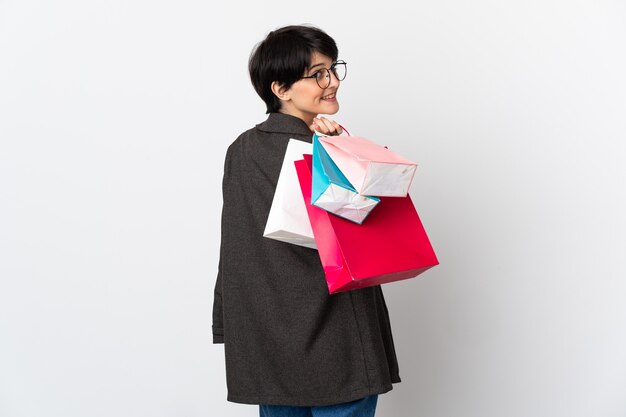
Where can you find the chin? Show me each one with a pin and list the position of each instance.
(335, 110)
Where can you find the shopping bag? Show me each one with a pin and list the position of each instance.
(391, 245)
(333, 192)
(288, 220)
(372, 169)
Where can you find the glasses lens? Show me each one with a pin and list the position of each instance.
(339, 70)
(323, 78)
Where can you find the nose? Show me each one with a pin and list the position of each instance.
(334, 81)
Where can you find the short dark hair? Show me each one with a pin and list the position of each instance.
(283, 56)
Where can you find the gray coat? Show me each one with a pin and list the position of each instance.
(286, 340)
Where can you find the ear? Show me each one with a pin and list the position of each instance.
(280, 91)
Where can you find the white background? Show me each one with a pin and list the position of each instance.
(114, 120)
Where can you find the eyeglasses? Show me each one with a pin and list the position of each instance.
(322, 76)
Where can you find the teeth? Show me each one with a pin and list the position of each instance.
(329, 96)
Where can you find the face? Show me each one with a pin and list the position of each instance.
(305, 99)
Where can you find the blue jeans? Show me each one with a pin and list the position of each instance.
(365, 407)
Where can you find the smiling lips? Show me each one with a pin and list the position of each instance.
(329, 97)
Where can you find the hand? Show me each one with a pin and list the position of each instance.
(326, 126)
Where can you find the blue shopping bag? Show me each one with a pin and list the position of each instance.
(332, 191)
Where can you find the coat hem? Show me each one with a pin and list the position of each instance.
(310, 402)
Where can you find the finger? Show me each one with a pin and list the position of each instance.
(328, 125)
(338, 129)
(335, 128)
(319, 127)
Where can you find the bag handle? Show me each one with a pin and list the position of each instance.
(346, 130)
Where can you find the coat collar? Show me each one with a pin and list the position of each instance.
(284, 123)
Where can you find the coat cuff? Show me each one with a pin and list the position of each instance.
(218, 335)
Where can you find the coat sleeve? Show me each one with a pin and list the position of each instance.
(218, 309)
(218, 304)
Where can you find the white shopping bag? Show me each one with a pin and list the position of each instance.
(288, 220)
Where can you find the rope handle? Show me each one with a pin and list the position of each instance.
(346, 130)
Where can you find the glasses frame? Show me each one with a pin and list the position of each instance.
(330, 70)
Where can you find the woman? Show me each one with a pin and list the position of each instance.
(290, 346)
